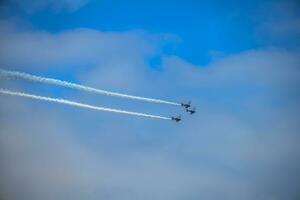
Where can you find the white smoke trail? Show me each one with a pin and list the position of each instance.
(76, 104)
(22, 75)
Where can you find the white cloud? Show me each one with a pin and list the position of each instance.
(116, 54)
(81, 46)
(273, 67)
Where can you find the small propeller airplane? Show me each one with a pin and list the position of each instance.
(177, 119)
(191, 110)
(186, 105)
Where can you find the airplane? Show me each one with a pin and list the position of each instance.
(186, 105)
(191, 110)
(177, 119)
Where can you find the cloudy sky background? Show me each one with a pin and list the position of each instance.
(239, 62)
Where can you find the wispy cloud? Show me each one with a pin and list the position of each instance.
(32, 6)
(279, 23)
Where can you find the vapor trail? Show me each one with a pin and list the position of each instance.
(76, 104)
(29, 77)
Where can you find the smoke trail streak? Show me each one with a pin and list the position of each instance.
(29, 77)
(76, 104)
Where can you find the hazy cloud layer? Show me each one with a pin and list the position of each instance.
(242, 144)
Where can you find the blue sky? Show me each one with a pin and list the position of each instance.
(238, 61)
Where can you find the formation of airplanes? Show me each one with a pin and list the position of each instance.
(188, 109)
(44, 80)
